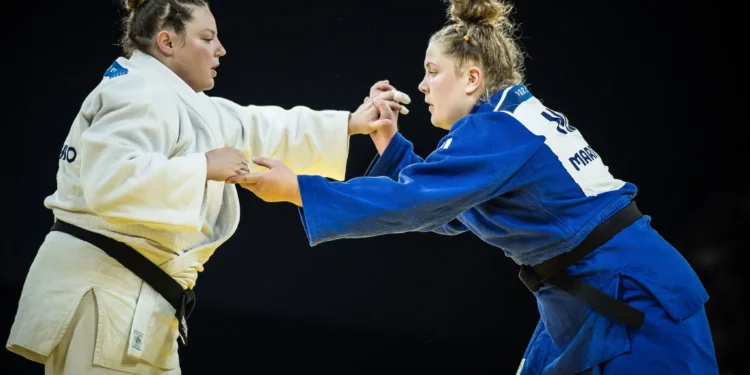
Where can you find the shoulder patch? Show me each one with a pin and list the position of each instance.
(446, 144)
(115, 70)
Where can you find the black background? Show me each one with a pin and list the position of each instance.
(641, 81)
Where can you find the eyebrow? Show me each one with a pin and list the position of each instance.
(210, 31)
(428, 65)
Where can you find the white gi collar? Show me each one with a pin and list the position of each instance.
(198, 101)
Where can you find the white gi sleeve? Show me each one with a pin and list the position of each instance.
(126, 175)
(306, 140)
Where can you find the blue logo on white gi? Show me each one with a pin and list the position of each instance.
(115, 70)
(562, 122)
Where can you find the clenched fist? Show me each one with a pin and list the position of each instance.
(225, 162)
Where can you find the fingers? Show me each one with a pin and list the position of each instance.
(265, 162)
(393, 106)
(247, 178)
(380, 86)
(401, 97)
(396, 107)
(396, 96)
(386, 107)
(244, 167)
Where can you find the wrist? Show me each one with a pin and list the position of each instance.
(208, 170)
(382, 140)
(349, 131)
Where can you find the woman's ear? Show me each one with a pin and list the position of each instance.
(473, 79)
(166, 42)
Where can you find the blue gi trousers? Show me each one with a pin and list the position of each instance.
(642, 269)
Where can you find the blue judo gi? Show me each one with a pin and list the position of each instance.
(520, 177)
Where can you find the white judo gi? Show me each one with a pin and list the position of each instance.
(133, 168)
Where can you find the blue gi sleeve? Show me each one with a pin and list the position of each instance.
(473, 164)
(398, 155)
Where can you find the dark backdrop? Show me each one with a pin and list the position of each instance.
(641, 81)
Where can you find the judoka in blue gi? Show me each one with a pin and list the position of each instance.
(613, 295)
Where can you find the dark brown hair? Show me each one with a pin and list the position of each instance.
(147, 17)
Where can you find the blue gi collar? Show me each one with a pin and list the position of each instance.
(504, 100)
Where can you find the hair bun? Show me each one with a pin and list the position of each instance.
(133, 4)
(491, 12)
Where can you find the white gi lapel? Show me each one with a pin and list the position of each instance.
(201, 108)
(198, 103)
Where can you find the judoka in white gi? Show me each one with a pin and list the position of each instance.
(614, 297)
(145, 163)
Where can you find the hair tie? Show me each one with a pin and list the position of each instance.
(466, 37)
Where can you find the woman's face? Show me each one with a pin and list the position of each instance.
(450, 93)
(194, 56)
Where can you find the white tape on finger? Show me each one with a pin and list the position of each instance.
(400, 97)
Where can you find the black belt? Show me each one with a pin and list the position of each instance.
(552, 271)
(182, 300)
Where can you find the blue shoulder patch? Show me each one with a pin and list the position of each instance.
(507, 99)
(115, 70)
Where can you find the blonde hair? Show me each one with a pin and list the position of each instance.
(481, 32)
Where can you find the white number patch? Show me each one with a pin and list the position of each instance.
(582, 163)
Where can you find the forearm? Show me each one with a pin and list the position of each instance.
(381, 139)
(313, 142)
(308, 141)
(424, 198)
(360, 209)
